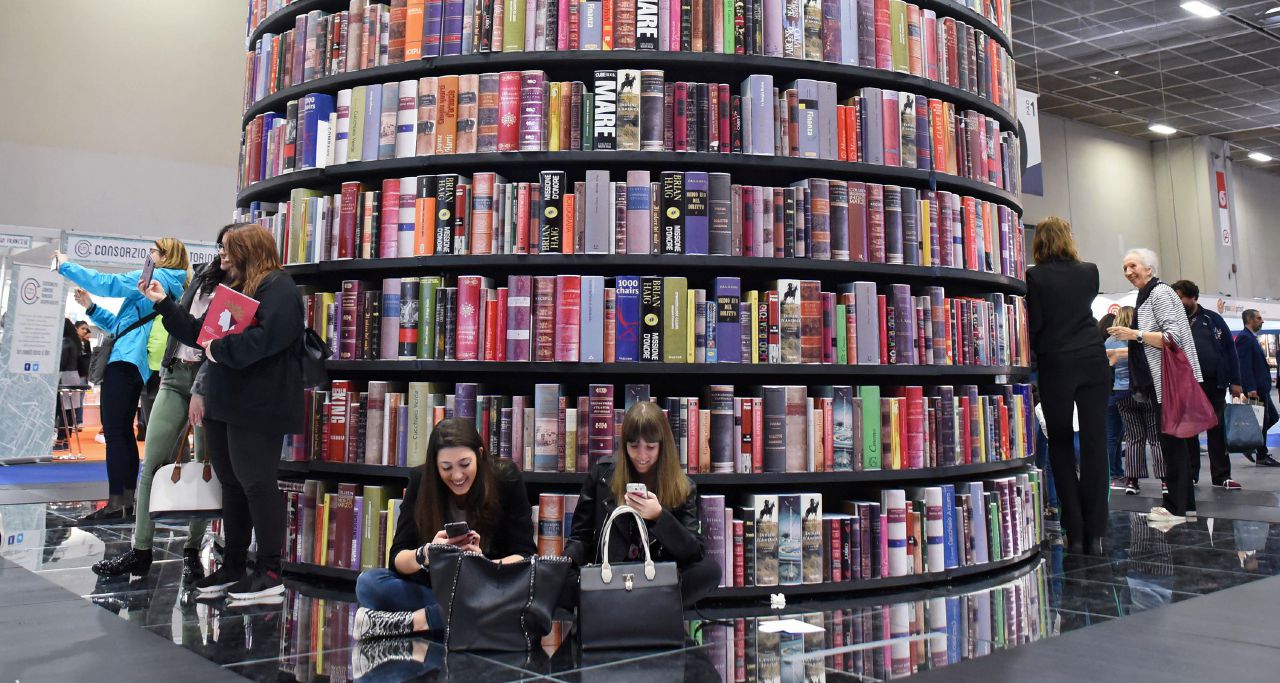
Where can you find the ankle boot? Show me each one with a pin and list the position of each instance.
(192, 568)
(112, 512)
(135, 562)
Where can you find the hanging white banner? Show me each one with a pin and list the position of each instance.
(36, 321)
(126, 251)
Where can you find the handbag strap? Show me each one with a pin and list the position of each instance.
(136, 324)
(606, 570)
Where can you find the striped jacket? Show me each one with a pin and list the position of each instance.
(1163, 312)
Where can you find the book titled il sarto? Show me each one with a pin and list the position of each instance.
(230, 312)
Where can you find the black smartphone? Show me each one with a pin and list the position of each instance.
(148, 267)
(456, 529)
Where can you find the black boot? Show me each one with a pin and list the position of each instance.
(192, 569)
(135, 562)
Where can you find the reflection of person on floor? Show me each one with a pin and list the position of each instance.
(1250, 538)
(395, 659)
(1149, 569)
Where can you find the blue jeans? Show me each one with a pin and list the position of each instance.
(384, 590)
(1115, 437)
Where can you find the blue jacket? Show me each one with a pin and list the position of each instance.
(132, 348)
(1255, 375)
(1215, 347)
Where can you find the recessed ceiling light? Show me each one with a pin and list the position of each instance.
(1259, 156)
(1162, 129)
(1116, 72)
(1201, 9)
(1273, 10)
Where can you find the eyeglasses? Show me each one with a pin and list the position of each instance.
(158, 250)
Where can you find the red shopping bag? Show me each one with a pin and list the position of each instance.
(1185, 410)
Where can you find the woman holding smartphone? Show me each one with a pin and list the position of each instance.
(462, 488)
(645, 474)
(127, 370)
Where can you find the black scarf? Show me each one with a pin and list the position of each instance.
(1140, 378)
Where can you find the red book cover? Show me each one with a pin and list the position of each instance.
(883, 35)
(745, 463)
(606, 24)
(738, 552)
(875, 223)
(965, 414)
(914, 452)
(389, 220)
(550, 524)
(336, 448)
(230, 312)
(500, 340)
(396, 41)
(929, 36)
(347, 221)
(828, 447)
(522, 218)
(568, 302)
(610, 324)
(842, 133)
(491, 330)
(970, 234)
(757, 430)
(722, 114)
(470, 308)
(600, 441)
(775, 330)
(915, 51)
(544, 318)
(509, 111)
(624, 18)
(810, 321)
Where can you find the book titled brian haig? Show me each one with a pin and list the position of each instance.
(230, 312)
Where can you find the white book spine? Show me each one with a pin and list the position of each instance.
(343, 129)
(407, 121)
(894, 504)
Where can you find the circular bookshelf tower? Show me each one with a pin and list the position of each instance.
(793, 224)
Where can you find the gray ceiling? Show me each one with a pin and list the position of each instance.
(1121, 64)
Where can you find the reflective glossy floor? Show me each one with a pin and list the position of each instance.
(304, 638)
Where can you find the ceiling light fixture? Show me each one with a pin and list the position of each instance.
(1161, 129)
(1260, 157)
(1201, 9)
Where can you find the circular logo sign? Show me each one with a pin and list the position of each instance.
(1113, 309)
(83, 249)
(551, 212)
(673, 213)
(651, 319)
(443, 215)
(30, 290)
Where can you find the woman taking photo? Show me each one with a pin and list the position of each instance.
(252, 398)
(460, 482)
(127, 372)
(167, 428)
(669, 506)
(1074, 374)
(1159, 313)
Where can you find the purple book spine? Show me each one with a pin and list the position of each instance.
(518, 317)
(533, 87)
(434, 16)
(451, 29)
(757, 98)
(696, 221)
(904, 323)
(728, 320)
(464, 405)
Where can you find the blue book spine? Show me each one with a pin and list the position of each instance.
(949, 537)
(728, 320)
(955, 630)
(697, 228)
(591, 320)
(372, 122)
(431, 38)
(402, 439)
(627, 318)
(451, 38)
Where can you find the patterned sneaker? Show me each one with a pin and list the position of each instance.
(135, 562)
(368, 655)
(260, 584)
(1131, 487)
(376, 624)
(216, 584)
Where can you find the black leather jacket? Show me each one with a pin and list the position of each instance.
(676, 536)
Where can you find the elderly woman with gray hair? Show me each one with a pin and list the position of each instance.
(1159, 313)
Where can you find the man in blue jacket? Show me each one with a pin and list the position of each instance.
(1221, 371)
(1255, 376)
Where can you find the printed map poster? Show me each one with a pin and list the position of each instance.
(30, 349)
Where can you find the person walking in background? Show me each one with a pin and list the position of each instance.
(1221, 369)
(82, 368)
(1115, 427)
(1073, 375)
(252, 398)
(67, 377)
(1159, 312)
(1255, 379)
(176, 400)
(127, 370)
(1139, 419)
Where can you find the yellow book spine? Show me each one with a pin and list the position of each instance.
(324, 530)
(553, 123)
(926, 240)
(753, 298)
(691, 334)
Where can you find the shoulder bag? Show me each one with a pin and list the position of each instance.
(630, 604)
(314, 353)
(187, 489)
(102, 355)
(1243, 427)
(495, 607)
(1184, 409)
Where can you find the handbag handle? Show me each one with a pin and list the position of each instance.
(180, 460)
(606, 570)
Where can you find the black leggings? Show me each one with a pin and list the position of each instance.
(246, 463)
(1081, 379)
(121, 386)
(698, 579)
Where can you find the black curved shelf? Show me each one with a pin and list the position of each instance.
(589, 264)
(582, 62)
(780, 372)
(744, 167)
(283, 20)
(746, 592)
(714, 480)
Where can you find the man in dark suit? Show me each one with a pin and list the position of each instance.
(1255, 376)
(1221, 370)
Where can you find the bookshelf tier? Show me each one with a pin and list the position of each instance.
(582, 63)
(745, 168)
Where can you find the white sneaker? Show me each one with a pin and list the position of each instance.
(1159, 514)
(100, 438)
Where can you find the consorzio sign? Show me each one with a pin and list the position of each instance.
(126, 251)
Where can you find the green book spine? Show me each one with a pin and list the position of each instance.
(842, 344)
(729, 45)
(427, 317)
(993, 530)
(870, 427)
(375, 500)
(588, 121)
(898, 35)
(355, 138)
(675, 320)
(513, 27)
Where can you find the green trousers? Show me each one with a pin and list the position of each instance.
(168, 422)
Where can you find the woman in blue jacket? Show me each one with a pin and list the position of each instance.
(127, 370)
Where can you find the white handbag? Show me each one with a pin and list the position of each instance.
(185, 490)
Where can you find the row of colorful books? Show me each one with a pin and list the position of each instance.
(768, 429)
(786, 539)
(892, 35)
(691, 213)
(345, 526)
(315, 639)
(910, 636)
(629, 110)
(580, 319)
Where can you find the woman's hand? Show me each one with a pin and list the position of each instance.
(441, 537)
(195, 411)
(82, 297)
(1124, 333)
(470, 543)
(154, 291)
(646, 504)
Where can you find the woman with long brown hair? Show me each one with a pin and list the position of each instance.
(1073, 374)
(459, 482)
(127, 369)
(252, 397)
(669, 505)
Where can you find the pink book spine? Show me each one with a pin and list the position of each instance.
(568, 309)
(470, 296)
(501, 335)
(390, 219)
(519, 317)
(562, 24)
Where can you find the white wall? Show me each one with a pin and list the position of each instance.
(1257, 217)
(1104, 185)
(121, 116)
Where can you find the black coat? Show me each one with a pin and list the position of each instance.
(513, 534)
(676, 536)
(1060, 307)
(255, 379)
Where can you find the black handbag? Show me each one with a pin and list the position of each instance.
(314, 353)
(495, 607)
(102, 354)
(1243, 428)
(629, 604)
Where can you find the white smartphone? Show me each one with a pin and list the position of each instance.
(638, 489)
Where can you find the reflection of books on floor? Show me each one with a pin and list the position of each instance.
(230, 312)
